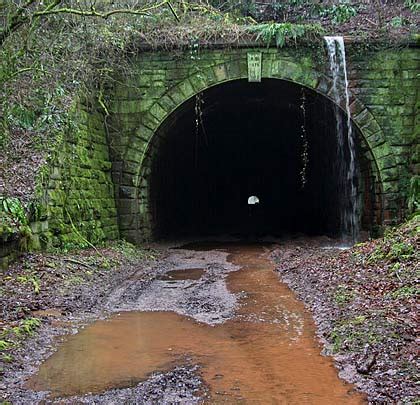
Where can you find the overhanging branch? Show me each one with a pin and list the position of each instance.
(18, 18)
(93, 13)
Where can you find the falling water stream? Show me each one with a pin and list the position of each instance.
(345, 137)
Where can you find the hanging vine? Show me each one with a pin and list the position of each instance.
(304, 138)
(198, 109)
(199, 102)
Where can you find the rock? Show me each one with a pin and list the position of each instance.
(366, 364)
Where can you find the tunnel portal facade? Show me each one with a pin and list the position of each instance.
(178, 144)
(173, 102)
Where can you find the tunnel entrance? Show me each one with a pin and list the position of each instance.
(242, 139)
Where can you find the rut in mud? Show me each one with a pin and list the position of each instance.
(222, 313)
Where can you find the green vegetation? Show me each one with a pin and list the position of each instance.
(130, 251)
(398, 21)
(339, 13)
(397, 246)
(11, 337)
(397, 251)
(343, 295)
(405, 292)
(384, 272)
(413, 5)
(14, 222)
(26, 327)
(354, 334)
(32, 279)
(282, 33)
(4, 345)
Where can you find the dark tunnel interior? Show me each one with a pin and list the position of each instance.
(241, 139)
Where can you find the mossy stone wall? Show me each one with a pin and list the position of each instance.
(384, 87)
(95, 186)
(76, 202)
(388, 83)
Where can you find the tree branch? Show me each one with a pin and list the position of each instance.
(23, 70)
(15, 21)
(94, 13)
(18, 18)
(173, 11)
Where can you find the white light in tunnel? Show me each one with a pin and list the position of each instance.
(253, 199)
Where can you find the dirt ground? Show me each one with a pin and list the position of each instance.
(363, 301)
(66, 292)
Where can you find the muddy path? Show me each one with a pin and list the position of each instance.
(214, 325)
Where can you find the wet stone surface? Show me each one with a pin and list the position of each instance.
(206, 299)
(211, 326)
(179, 386)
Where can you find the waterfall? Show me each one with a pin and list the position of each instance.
(345, 139)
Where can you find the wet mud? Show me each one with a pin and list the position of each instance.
(185, 274)
(245, 335)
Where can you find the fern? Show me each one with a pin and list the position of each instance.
(413, 5)
(281, 33)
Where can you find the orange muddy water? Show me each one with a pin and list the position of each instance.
(266, 354)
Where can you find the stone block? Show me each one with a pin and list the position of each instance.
(235, 71)
(187, 89)
(166, 103)
(220, 72)
(158, 112)
(127, 222)
(129, 192)
(198, 82)
(176, 95)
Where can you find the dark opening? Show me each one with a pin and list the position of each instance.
(246, 139)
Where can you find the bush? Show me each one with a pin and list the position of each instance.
(340, 13)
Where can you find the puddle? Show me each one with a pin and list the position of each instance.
(208, 245)
(266, 354)
(182, 274)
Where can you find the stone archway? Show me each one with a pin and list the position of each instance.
(143, 142)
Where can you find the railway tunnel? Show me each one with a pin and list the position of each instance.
(276, 140)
